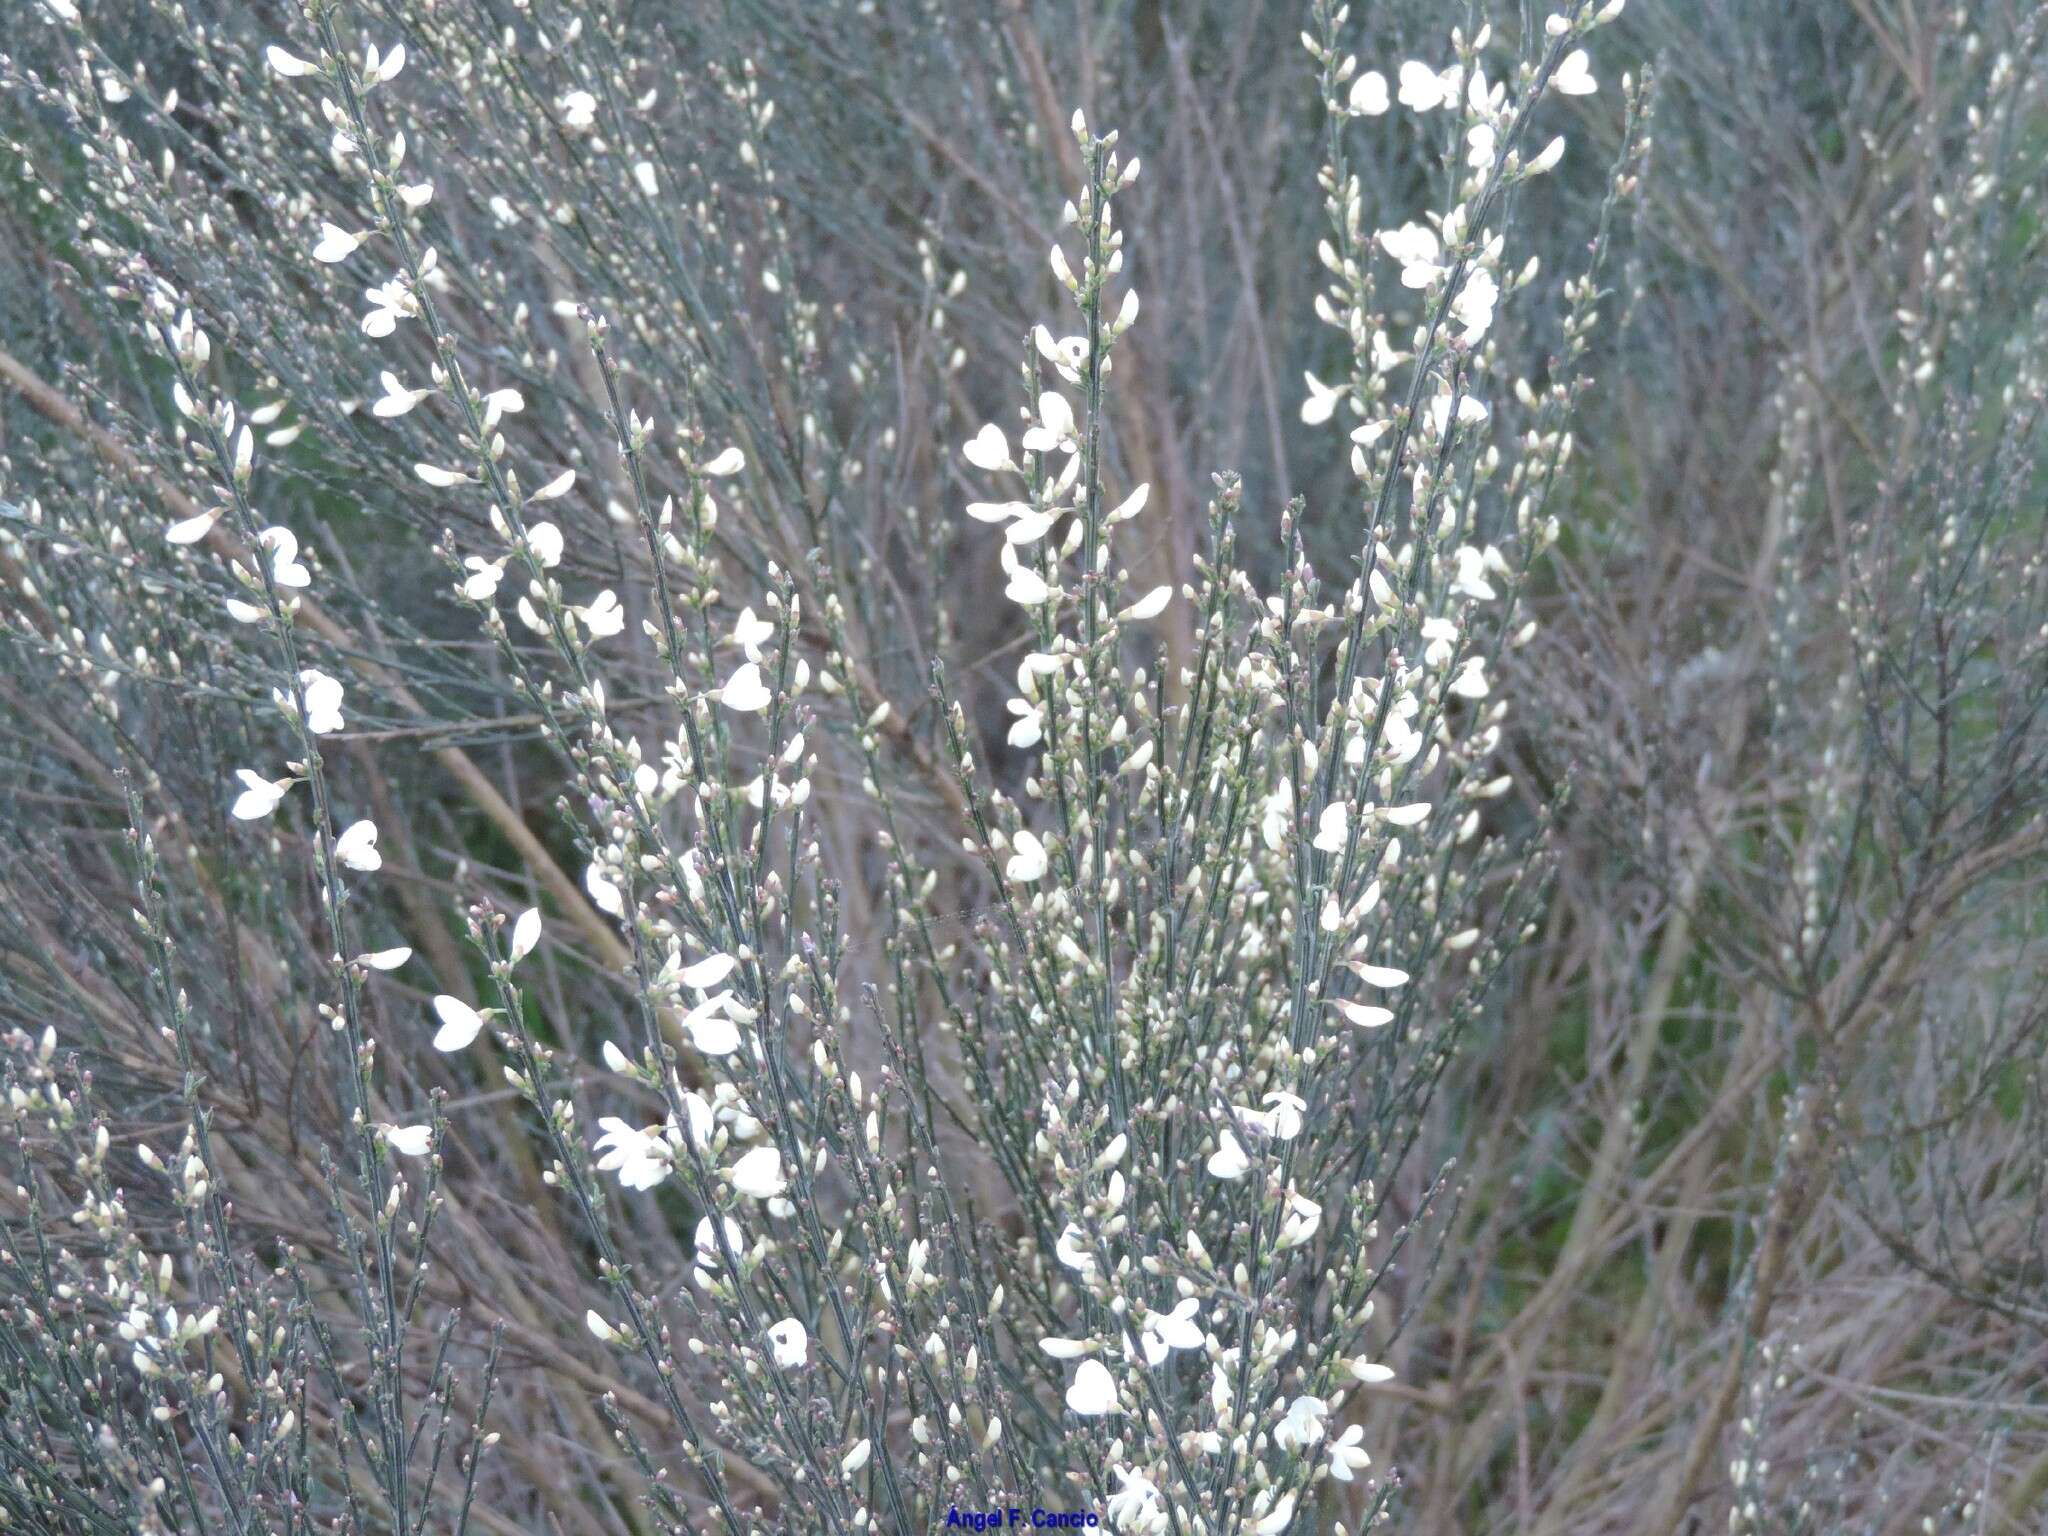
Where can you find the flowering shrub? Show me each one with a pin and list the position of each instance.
(642, 951)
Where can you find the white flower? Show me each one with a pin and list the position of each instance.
(744, 693)
(644, 178)
(1417, 249)
(1284, 1120)
(1277, 1519)
(711, 1028)
(789, 1342)
(323, 701)
(1055, 429)
(1067, 1349)
(1167, 1331)
(856, 1458)
(1385, 977)
(1422, 88)
(377, 70)
(1347, 1454)
(439, 478)
(1303, 1217)
(1574, 75)
(1150, 606)
(1548, 158)
(259, 796)
(1470, 683)
(397, 399)
(481, 584)
(1027, 860)
(1369, 1372)
(604, 891)
(386, 959)
(1094, 1390)
(1363, 1015)
(390, 303)
(1276, 815)
(750, 633)
(988, 449)
(1130, 506)
(602, 616)
(1480, 143)
(1067, 354)
(639, 1157)
(1136, 1507)
(1303, 1425)
(1413, 814)
(559, 486)
(599, 1328)
(525, 934)
(1071, 1250)
(336, 244)
(1470, 580)
(460, 1023)
(1470, 412)
(1322, 400)
(708, 972)
(409, 1140)
(730, 462)
(1473, 307)
(285, 569)
(356, 849)
(1028, 729)
(544, 542)
(1026, 587)
(578, 109)
(1369, 94)
(1332, 827)
(706, 1240)
(290, 66)
(192, 529)
(759, 1174)
(1229, 1161)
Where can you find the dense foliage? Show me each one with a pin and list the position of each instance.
(822, 766)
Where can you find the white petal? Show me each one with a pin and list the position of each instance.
(1150, 606)
(1382, 976)
(708, 972)
(730, 462)
(192, 529)
(559, 486)
(411, 1140)
(1229, 1160)
(604, 891)
(525, 934)
(1363, 1015)
(290, 66)
(386, 959)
